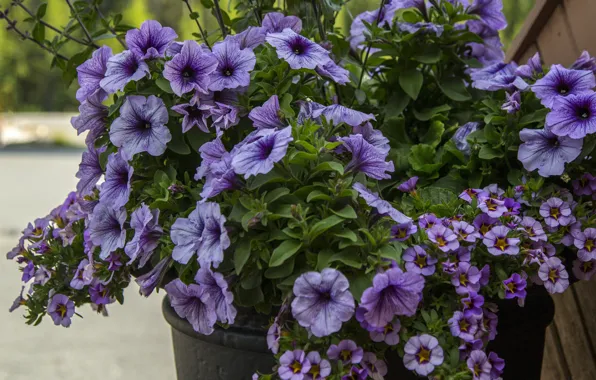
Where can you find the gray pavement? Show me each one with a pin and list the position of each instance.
(132, 343)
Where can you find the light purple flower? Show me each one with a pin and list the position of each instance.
(61, 309)
(510, 83)
(573, 116)
(268, 115)
(532, 229)
(273, 335)
(490, 12)
(403, 231)
(149, 281)
(192, 302)
(99, 295)
(555, 212)
(42, 276)
(123, 68)
(493, 207)
(196, 115)
(224, 116)
(78, 281)
(151, 40)
(92, 117)
(472, 304)
(28, 272)
(489, 52)
(492, 70)
(388, 334)
(204, 233)
(233, 66)
(298, 51)
(91, 72)
(335, 72)
(444, 238)
(373, 136)
(220, 177)
(534, 66)
(383, 207)
(90, 170)
(211, 152)
(216, 286)
(337, 114)
(293, 365)
(18, 302)
(190, 69)
(584, 270)
(586, 244)
(141, 126)
(106, 228)
(275, 22)
(347, 351)
(366, 158)
(409, 185)
(145, 223)
(497, 364)
(461, 135)
(428, 221)
(584, 62)
(515, 287)
(377, 368)
(466, 279)
(512, 103)
(251, 37)
(463, 327)
(418, 261)
(552, 272)
(465, 231)
(546, 152)
(116, 188)
(393, 293)
(422, 354)
(259, 154)
(498, 242)
(585, 185)
(319, 368)
(561, 82)
(479, 366)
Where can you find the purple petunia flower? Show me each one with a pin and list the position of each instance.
(151, 40)
(116, 188)
(388, 334)
(466, 279)
(472, 304)
(479, 365)
(220, 177)
(293, 365)
(211, 152)
(490, 12)
(512, 103)
(383, 207)
(61, 309)
(323, 301)
(268, 115)
(546, 152)
(106, 228)
(149, 281)
(408, 186)
(393, 293)
(298, 51)
(366, 158)
(91, 72)
(337, 114)
(552, 272)
(418, 261)
(335, 72)
(261, 151)
(190, 69)
(422, 354)
(92, 117)
(273, 335)
(555, 212)
(145, 222)
(216, 286)
(586, 244)
(233, 66)
(510, 83)
(251, 37)
(402, 232)
(444, 238)
(373, 136)
(123, 68)
(515, 287)
(18, 302)
(491, 50)
(561, 82)
(584, 62)
(585, 185)
(113, 261)
(493, 207)
(141, 126)
(534, 66)
(347, 351)
(584, 270)
(202, 232)
(319, 368)
(463, 327)
(275, 22)
(532, 229)
(461, 135)
(493, 70)
(498, 242)
(573, 116)
(193, 116)
(224, 116)
(90, 170)
(192, 302)
(497, 364)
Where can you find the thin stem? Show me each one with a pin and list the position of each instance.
(256, 12)
(198, 24)
(107, 24)
(12, 25)
(322, 33)
(87, 34)
(219, 18)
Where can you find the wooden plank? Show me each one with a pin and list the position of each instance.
(555, 41)
(532, 49)
(553, 363)
(581, 15)
(584, 297)
(576, 346)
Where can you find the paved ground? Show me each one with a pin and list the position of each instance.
(133, 343)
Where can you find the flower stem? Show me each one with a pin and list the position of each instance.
(109, 27)
(87, 34)
(198, 24)
(219, 17)
(256, 12)
(320, 25)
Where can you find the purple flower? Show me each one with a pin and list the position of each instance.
(233, 65)
(202, 232)
(512, 103)
(337, 114)
(273, 335)
(555, 212)
(356, 373)
(366, 158)
(149, 281)
(298, 51)
(383, 207)
(422, 354)
(251, 37)
(28, 272)
(211, 152)
(498, 242)
(293, 365)
(377, 368)
(465, 231)
(561, 82)
(335, 72)
(585, 62)
(472, 304)
(497, 364)
(510, 83)
(91, 72)
(515, 287)
(347, 351)
(466, 279)
(99, 295)
(275, 22)
(193, 115)
(463, 327)
(106, 228)
(116, 188)
(408, 186)
(216, 286)
(141, 126)
(573, 116)
(220, 177)
(495, 69)
(319, 368)
(42, 276)
(534, 66)
(403, 231)
(494, 191)
(259, 154)
(393, 293)
(190, 69)
(490, 12)
(532, 229)
(61, 309)
(546, 152)
(427, 221)
(151, 40)
(307, 108)
(224, 116)
(90, 170)
(145, 222)
(584, 270)
(373, 136)
(493, 207)
(113, 261)
(585, 185)
(123, 68)
(479, 365)
(444, 238)
(388, 334)
(18, 302)
(323, 301)
(569, 231)
(268, 115)
(418, 261)
(423, 27)
(192, 302)
(552, 272)
(586, 244)
(92, 117)
(489, 52)
(78, 280)
(466, 347)
(461, 135)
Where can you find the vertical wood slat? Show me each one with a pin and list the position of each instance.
(584, 296)
(555, 41)
(553, 363)
(581, 15)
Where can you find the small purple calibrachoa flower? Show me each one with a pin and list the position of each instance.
(99, 295)
(151, 40)
(78, 280)
(388, 334)
(323, 301)
(298, 51)
(532, 229)
(552, 272)
(466, 279)
(216, 286)
(123, 68)
(561, 82)
(145, 223)
(498, 242)
(546, 151)
(268, 115)
(418, 261)
(91, 72)
(377, 368)
(586, 244)
(319, 368)
(573, 116)
(428, 221)
(497, 364)
(584, 270)
(273, 335)
(402, 232)
(408, 186)
(192, 302)
(493, 207)
(106, 227)
(585, 185)
(116, 188)
(555, 212)
(515, 287)
(463, 327)
(347, 351)
(366, 158)
(293, 365)
(61, 309)
(422, 354)
(443, 237)
(261, 151)
(465, 231)
(233, 67)
(472, 304)
(190, 69)
(479, 365)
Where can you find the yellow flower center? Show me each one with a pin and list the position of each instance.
(555, 212)
(423, 356)
(587, 266)
(346, 355)
(502, 244)
(553, 275)
(315, 370)
(463, 325)
(296, 366)
(589, 245)
(510, 287)
(420, 261)
(491, 205)
(484, 228)
(463, 280)
(61, 309)
(388, 328)
(441, 242)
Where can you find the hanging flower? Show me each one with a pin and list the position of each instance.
(498, 242)
(92, 117)
(422, 354)
(584, 270)
(462, 326)
(472, 304)
(61, 309)
(149, 281)
(337, 114)
(388, 334)
(532, 229)
(561, 82)
(377, 368)
(512, 103)
(233, 66)
(90, 170)
(383, 207)
(116, 188)
(461, 135)
(555, 212)
(224, 116)
(122, 69)
(91, 72)
(190, 69)
(584, 62)
(106, 228)
(251, 37)
(151, 40)
(490, 12)
(216, 286)
(466, 279)
(319, 368)
(298, 51)
(145, 223)
(335, 72)
(497, 365)
(586, 244)
(534, 66)
(547, 152)
(479, 365)
(192, 302)
(515, 287)
(443, 237)
(373, 136)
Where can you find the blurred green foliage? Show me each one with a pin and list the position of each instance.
(28, 84)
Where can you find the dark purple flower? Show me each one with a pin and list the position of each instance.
(555, 212)
(298, 51)
(586, 244)
(428, 221)
(461, 135)
(273, 335)
(498, 242)
(512, 206)
(388, 334)
(145, 223)
(383, 207)
(463, 327)
(151, 40)
(356, 373)
(323, 301)
(78, 280)
(123, 68)
(585, 185)
(319, 368)
(190, 69)
(561, 82)
(275, 22)
(403, 231)
(444, 238)
(510, 83)
(28, 272)
(418, 261)
(193, 115)
(347, 351)
(512, 103)
(90, 170)
(293, 365)
(422, 354)
(466, 279)
(335, 72)
(584, 62)
(141, 126)
(220, 177)
(258, 156)
(546, 152)
(569, 231)
(233, 66)
(268, 115)
(251, 37)
(479, 365)
(377, 368)
(466, 347)
(366, 158)
(216, 286)
(552, 272)
(573, 116)
(92, 117)
(472, 304)
(393, 293)
(149, 281)
(115, 191)
(61, 309)
(99, 294)
(91, 72)
(224, 116)
(192, 302)
(18, 302)
(515, 287)
(106, 228)
(497, 364)
(202, 232)
(373, 136)
(584, 270)
(408, 186)
(490, 12)
(337, 114)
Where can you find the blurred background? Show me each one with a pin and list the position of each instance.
(39, 155)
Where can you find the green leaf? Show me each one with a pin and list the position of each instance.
(164, 85)
(346, 212)
(317, 195)
(534, 117)
(306, 145)
(284, 251)
(178, 144)
(422, 159)
(488, 153)
(411, 82)
(281, 271)
(359, 283)
(329, 166)
(323, 225)
(428, 113)
(391, 252)
(323, 258)
(455, 89)
(347, 234)
(259, 180)
(249, 297)
(207, 3)
(360, 96)
(398, 101)
(275, 194)
(41, 10)
(434, 134)
(303, 157)
(197, 138)
(429, 54)
(39, 32)
(514, 177)
(350, 258)
(491, 134)
(285, 105)
(241, 255)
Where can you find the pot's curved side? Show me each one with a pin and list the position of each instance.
(227, 354)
